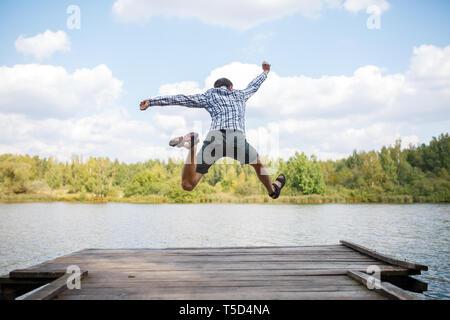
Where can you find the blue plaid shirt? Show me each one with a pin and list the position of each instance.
(227, 108)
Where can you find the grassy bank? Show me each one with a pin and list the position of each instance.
(212, 198)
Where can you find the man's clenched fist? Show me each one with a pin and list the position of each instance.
(266, 67)
(145, 104)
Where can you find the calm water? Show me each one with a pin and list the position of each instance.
(33, 233)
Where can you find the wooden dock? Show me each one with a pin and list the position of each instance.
(228, 273)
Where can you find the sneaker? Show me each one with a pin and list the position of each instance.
(188, 141)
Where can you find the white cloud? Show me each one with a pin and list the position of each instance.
(431, 67)
(43, 45)
(111, 134)
(362, 5)
(46, 90)
(249, 13)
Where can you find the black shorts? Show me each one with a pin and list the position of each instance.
(224, 143)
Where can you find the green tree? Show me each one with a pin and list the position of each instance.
(143, 183)
(304, 174)
(388, 164)
(371, 169)
(345, 177)
(54, 174)
(15, 173)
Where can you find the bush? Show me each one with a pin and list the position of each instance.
(303, 175)
(39, 186)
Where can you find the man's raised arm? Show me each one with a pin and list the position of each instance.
(191, 101)
(256, 83)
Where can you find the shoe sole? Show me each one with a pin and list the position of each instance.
(181, 141)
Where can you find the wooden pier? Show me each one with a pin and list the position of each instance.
(229, 273)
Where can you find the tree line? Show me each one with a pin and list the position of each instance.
(393, 174)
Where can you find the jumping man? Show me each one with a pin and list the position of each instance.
(226, 137)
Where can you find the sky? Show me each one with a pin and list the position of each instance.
(346, 74)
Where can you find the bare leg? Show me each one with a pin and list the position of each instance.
(263, 175)
(190, 177)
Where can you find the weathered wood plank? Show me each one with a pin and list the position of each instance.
(224, 286)
(211, 289)
(144, 256)
(172, 265)
(379, 256)
(155, 266)
(54, 288)
(322, 246)
(230, 258)
(258, 250)
(385, 288)
(156, 283)
(255, 268)
(212, 277)
(219, 270)
(108, 276)
(234, 294)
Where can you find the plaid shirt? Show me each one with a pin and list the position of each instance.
(227, 108)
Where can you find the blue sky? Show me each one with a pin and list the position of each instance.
(169, 49)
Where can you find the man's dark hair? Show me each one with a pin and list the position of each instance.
(223, 82)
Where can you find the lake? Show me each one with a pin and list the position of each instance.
(31, 233)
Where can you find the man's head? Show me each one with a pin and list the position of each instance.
(223, 82)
